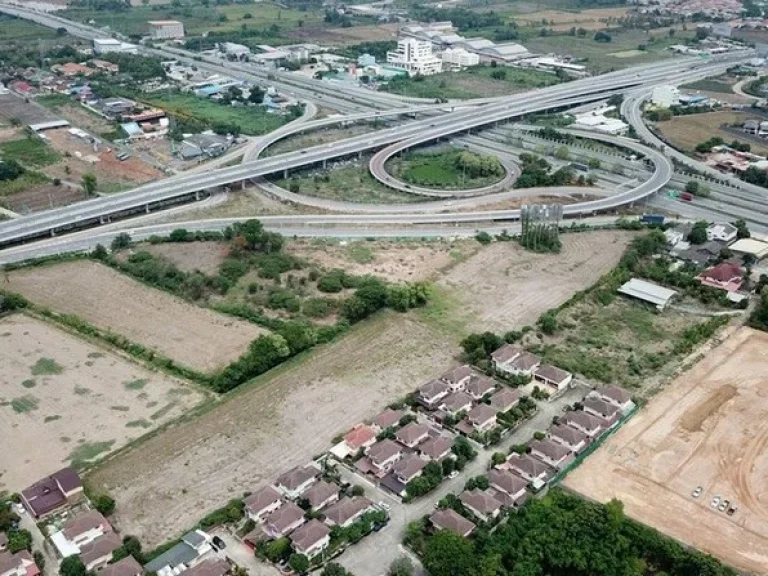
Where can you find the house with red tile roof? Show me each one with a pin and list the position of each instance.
(18, 564)
(724, 276)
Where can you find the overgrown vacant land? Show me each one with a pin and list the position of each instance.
(166, 484)
(685, 132)
(193, 336)
(708, 429)
(505, 287)
(65, 401)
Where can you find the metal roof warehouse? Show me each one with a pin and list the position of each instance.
(648, 292)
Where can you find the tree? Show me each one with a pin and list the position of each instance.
(334, 569)
(104, 503)
(741, 229)
(602, 36)
(483, 237)
(448, 554)
(692, 187)
(548, 322)
(563, 153)
(72, 566)
(698, 234)
(39, 559)
(8, 518)
(19, 540)
(131, 547)
(89, 183)
(401, 567)
(299, 563)
(122, 240)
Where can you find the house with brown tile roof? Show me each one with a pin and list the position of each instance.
(505, 399)
(584, 422)
(524, 365)
(96, 553)
(553, 377)
(509, 484)
(53, 493)
(387, 419)
(436, 448)
(209, 567)
(295, 482)
(551, 453)
(262, 502)
(457, 402)
(412, 434)
(479, 385)
(601, 409)
(18, 564)
(482, 418)
(433, 392)
(481, 503)
(458, 377)
(85, 528)
(614, 395)
(449, 519)
(384, 454)
(125, 567)
(284, 520)
(347, 510)
(408, 468)
(504, 355)
(322, 494)
(311, 539)
(572, 438)
(529, 468)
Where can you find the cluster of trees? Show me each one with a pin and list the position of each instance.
(564, 535)
(707, 145)
(664, 114)
(697, 189)
(464, 19)
(535, 172)
(139, 67)
(10, 169)
(378, 49)
(602, 36)
(479, 166)
(430, 479)
(755, 176)
(359, 529)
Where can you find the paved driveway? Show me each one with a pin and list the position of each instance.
(40, 543)
(373, 555)
(243, 556)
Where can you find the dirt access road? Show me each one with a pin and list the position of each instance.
(708, 429)
(188, 334)
(504, 286)
(167, 483)
(63, 400)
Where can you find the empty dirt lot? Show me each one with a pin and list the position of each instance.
(193, 336)
(708, 429)
(166, 484)
(503, 286)
(62, 399)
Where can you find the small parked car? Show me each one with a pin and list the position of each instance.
(723, 506)
(732, 510)
(715, 502)
(219, 543)
(697, 492)
(384, 506)
(453, 474)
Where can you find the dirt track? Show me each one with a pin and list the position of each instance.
(193, 336)
(708, 429)
(168, 483)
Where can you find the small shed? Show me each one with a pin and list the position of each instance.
(648, 292)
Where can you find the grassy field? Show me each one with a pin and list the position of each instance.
(199, 19)
(24, 182)
(473, 82)
(437, 169)
(685, 132)
(251, 120)
(31, 152)
(719, 85)
(614, 54)
(15, 29)
(351, 183)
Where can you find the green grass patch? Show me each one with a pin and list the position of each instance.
(26, 403)
(710, 85)
(31, 152)
(54, 101)
(252, 120)
(443, 312)
(29, 383)
(82, 391)
(88, 451)
(163, 411)
(137, 384)
(442, 169)
(29, 179)
(94, 355)
(475, 82)
(138, 424)
(360, 253)
(120, 408)
(16, 29)
(52, 418)
(46, 367)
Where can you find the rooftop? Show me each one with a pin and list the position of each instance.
(506, 481)
(550, 449)
(409, 466)
(480, 414)
(481, 500)
(410, 433)
(436, 447)
(388, 418)
(480, 385)
(347, 508)
(552, 373)
(210, 567)
(320, 492)
(449, 519)
(615, 393)
(262, 498)
(433, 388)
(648, 292)
(306, 536)
(504, 398)
(359, 436)
(128, 566)
(567, 434)
(506, 353)
(297, 476)
(457, 401)
(99, 548)
(383, 451)
(284, 517)
(83, 523)
(457, 374)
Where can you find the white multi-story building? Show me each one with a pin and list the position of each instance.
(165, 29)
(665, 96)
(458, 58)
(415, 57)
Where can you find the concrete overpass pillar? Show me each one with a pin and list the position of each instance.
(242, 185)
(325, 163)
(285, 174)
(197, 195)
(146, 208)
(360, 155)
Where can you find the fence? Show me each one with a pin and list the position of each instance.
(592, 447)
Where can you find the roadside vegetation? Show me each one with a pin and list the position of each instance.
(448, 169)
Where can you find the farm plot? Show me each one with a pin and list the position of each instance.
(708, 429)
(504, 286)
(193, 336)
(685, 132)
(283, 419)
(64, 401)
